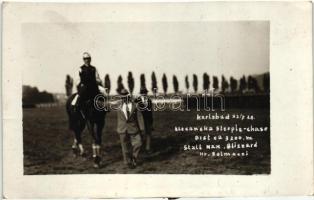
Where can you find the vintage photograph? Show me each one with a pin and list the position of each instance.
(151, 100)
(146, 98)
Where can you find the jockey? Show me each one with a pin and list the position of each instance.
(90, 84)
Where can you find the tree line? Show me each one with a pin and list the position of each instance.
(31, 96)
(246, 84)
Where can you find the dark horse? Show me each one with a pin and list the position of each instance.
(88, 116)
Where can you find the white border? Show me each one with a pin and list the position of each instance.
(291, 103)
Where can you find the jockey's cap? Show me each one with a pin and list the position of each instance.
(86, 55)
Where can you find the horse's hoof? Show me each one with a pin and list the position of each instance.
(82, 154)
(83, 157)
(97, 166)
(97, 162)
(74, 152)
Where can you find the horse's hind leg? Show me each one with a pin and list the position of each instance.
(95, 147)
(79, 149)
(76, 125)
(76, 142)
(77, 146)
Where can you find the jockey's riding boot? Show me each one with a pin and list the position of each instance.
(76, 103)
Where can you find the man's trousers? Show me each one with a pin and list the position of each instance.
(131, 145)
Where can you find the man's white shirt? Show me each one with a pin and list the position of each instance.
(124, 110)
(144, 100)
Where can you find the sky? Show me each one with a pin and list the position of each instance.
(233, 48)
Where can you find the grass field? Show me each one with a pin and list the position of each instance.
(47, 147)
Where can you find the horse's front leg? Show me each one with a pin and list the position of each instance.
(97, 144)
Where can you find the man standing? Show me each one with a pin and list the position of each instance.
(146, 108)
(129, 130)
